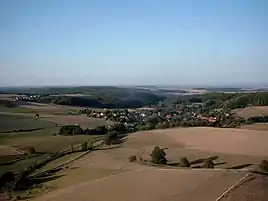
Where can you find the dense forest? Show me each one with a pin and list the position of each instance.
(105, 98)
(120, 97)
(220, 100)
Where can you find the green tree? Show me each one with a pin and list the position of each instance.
(111, 138)
(102, 129)
(264, 165)
(77, 130)
(158, 156)
(184, 162)
(208, 163)
(84, 146)
(30, 150)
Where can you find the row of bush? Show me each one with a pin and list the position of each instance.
(259, 119)
(100, 130)
(158, 156)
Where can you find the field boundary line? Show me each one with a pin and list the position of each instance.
(65, 163)
(240, 182)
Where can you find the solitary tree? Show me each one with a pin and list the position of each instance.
(208, 163)
(184, 162)
(111, 138)
(264, 165)
(84, 146)
(158, 156)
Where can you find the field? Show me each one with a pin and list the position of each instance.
(256, 126)
(106, 174)
(11, 123)
(252, 111)
(150, 184)
(19, 129)
(83, 121)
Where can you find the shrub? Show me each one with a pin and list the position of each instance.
(132, 159)
(264, 165)
(184, 162)
(6, 179)
(71, 130)
(208, 163)
(84, 146)
(77, 130)
(111, 138)
(30, 150)
(158, 156)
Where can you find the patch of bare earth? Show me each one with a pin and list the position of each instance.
(150, 184)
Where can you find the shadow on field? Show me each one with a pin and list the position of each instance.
(107, 148)
(221, 163)
(39, 180)
(174, 164)
(260, 173)
(241, 166)
(22, 130)
(201, 160)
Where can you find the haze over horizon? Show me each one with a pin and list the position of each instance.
(119, 42)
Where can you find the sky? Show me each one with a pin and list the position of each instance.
(126, 42)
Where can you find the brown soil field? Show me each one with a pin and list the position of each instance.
(257, 126)
(233, 141)
(107, 174)
(151, 184)
(49, 108)
(252, 111)
(253, 190)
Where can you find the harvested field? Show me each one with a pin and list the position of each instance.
(252, 111)
(253, 190)
(150, 184)
(48, 108)
(257, 126)
(233, 141)
(83, 121)
(108, 175)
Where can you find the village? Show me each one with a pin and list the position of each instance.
(156, 117)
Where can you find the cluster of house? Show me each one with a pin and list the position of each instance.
(25, 97)
(138, 115)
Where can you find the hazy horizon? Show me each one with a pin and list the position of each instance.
(117, 42)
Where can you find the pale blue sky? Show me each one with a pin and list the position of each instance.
(111, 42)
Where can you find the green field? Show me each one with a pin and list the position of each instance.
(23, 131)
(21, 164)
(43, 140)
(58, 161)
(11, 123)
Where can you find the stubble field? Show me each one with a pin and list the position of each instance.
(107, 174)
